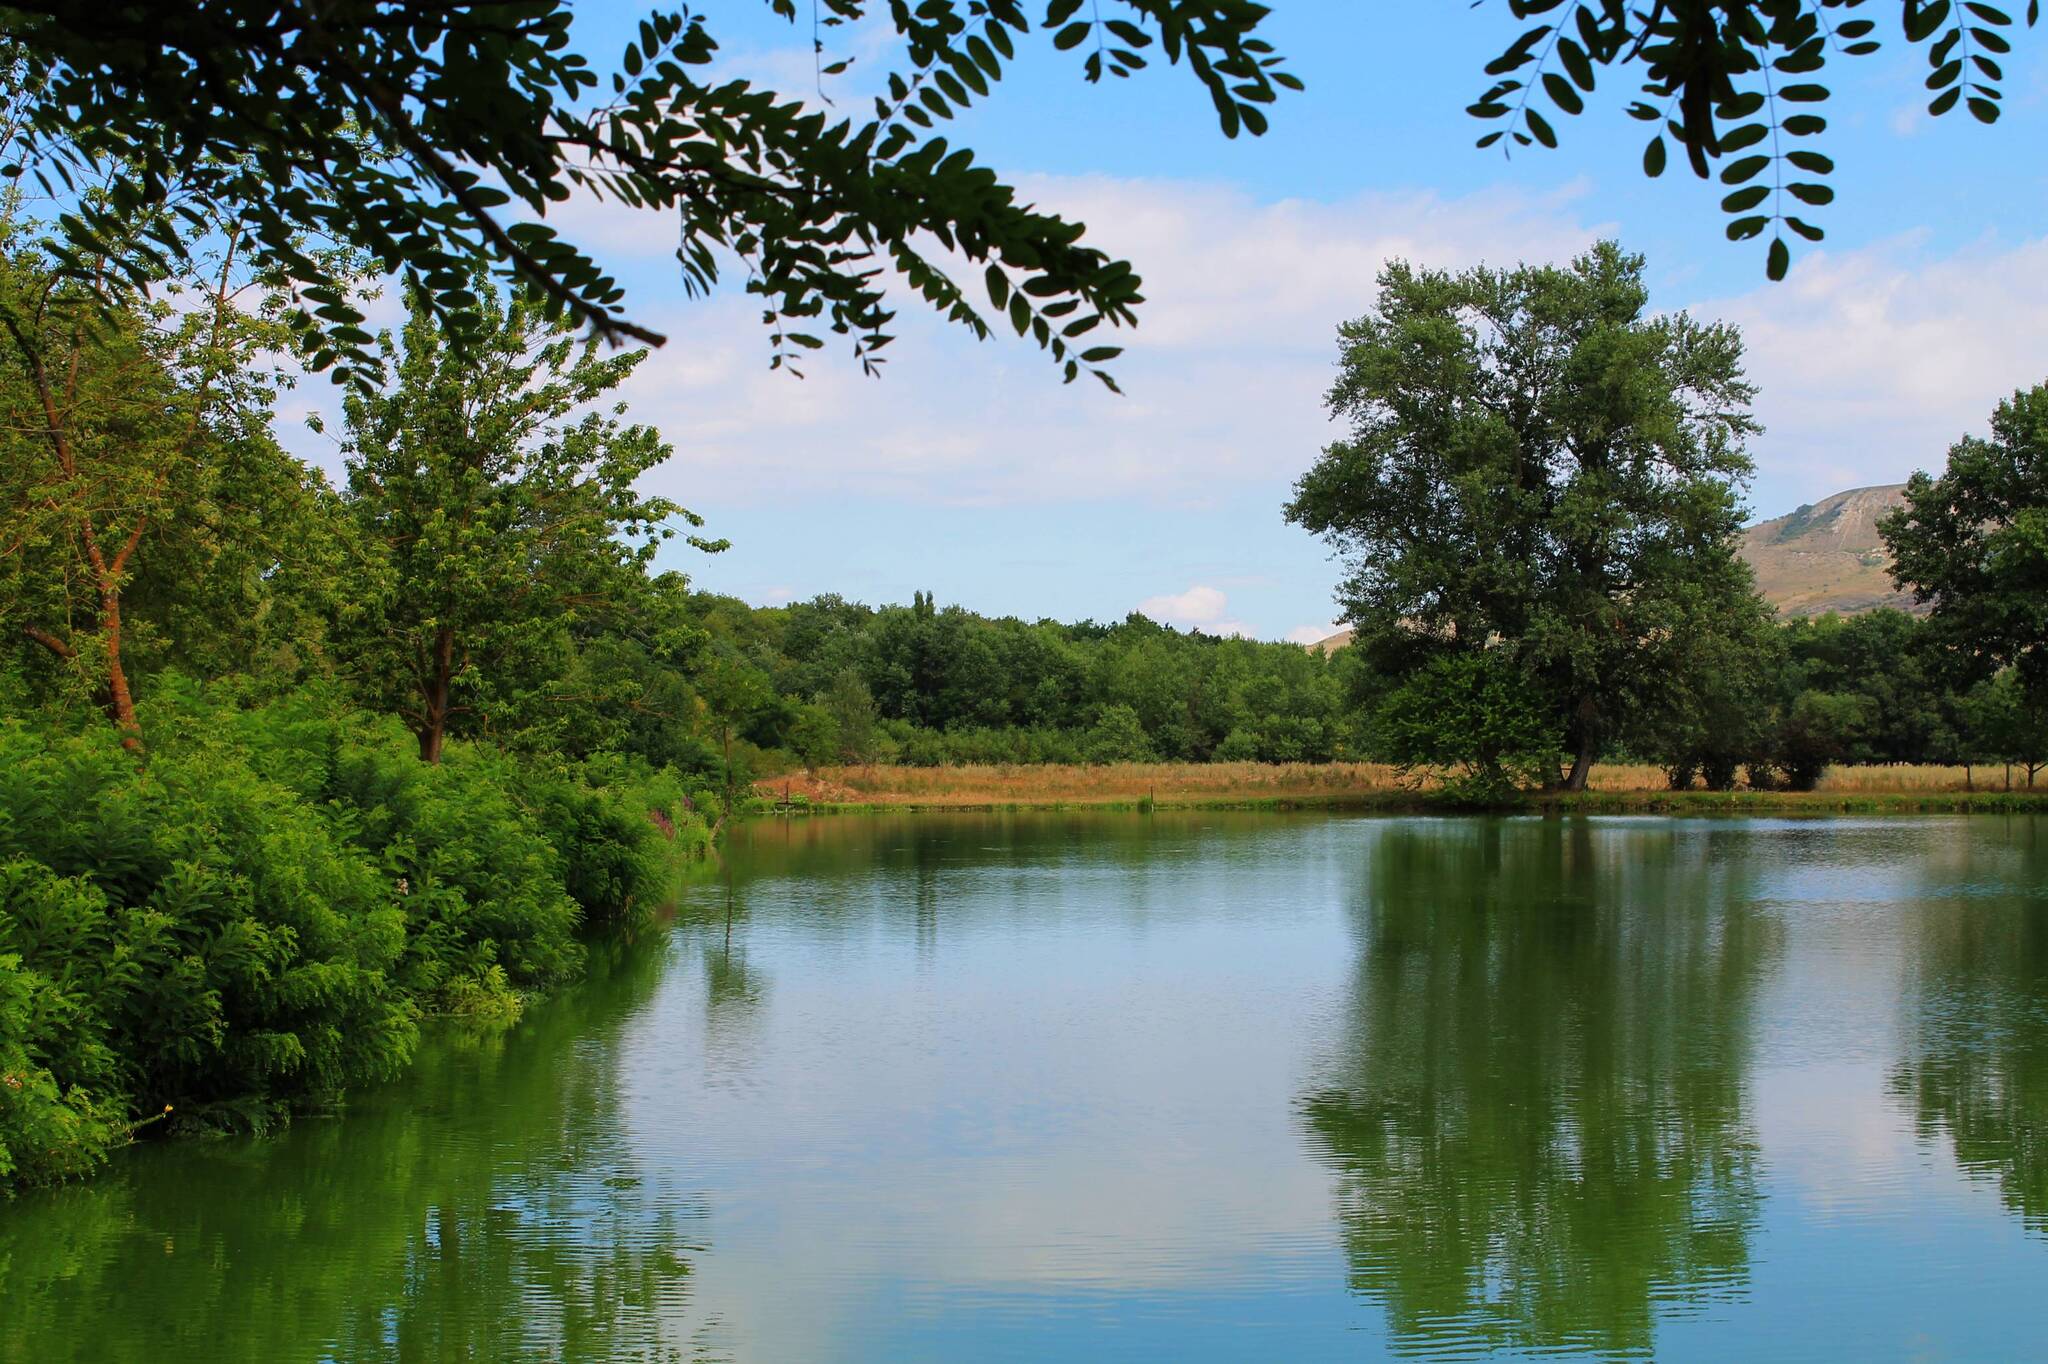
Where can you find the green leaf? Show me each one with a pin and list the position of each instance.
(1778, 260)
(1540, 128)
(1562, 94)
(1073, 35)
(1746, 168)
(1653, 158)
(1576, 62)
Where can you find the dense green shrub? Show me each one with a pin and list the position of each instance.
(257, 919)
(199, 936)
(1474, 718)
(49, 1130)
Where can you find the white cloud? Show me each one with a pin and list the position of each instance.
(1872, 362)
(1197, 606)
(1223, 378)
(1312, 634)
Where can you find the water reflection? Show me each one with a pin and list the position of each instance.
(492, 1214)
(1976, 1070)
(1537, 1117)
(1183, 1087)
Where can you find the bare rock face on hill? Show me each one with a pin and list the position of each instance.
(1827, 556)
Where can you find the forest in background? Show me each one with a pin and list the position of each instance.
(833, 683)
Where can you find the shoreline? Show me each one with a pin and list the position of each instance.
(939, 791)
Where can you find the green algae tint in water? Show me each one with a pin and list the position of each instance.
(1178, 1087)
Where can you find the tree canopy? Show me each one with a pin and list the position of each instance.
(1539, 466)
(1972, 544)
(435, 138)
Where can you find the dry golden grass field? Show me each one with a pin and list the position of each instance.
(1254, 783)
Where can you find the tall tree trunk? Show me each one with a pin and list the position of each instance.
(434, 723)
(1585, 722)
(120, 701)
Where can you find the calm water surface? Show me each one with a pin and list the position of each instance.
(1177, 1087)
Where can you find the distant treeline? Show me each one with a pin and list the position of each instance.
(832, 682)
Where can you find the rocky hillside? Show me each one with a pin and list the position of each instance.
(1827, 557)
(1820, 558)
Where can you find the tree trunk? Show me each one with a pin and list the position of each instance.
(434, 724)
(1584, 718)
(1969, 779)
(121, 702)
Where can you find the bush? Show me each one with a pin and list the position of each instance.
(1118, 736)
(204, 939)
(257, 920)
(1475, 717)
(1817, 729)
(48, 1130)
(1241, 745)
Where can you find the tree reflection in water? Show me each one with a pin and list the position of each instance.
(496, 1216)
(1976, 1065)
(1537, 1117)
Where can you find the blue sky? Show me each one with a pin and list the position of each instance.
(970, 471)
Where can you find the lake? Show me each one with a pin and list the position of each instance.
(1172, 1087)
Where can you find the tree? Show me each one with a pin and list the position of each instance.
(494, 509)
(408, 128)
(1973, 545)
(850, 707)
(1713, 717)
(1736, 78)
(1815, 731)
(1118, 736)
(1536, 465)
(137, 431)
(1473, 716)
(2009, 724)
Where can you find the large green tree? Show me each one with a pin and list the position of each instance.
(496, 508)
(1536, 464)
(1972, 544)
(437, 135)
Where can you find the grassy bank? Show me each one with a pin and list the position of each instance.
(1616, 788)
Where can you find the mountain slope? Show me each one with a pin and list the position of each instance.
(1827, 556)
(1823, 557)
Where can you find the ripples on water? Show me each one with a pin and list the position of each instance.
(1170, 1087)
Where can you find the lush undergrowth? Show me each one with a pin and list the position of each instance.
(259, 917)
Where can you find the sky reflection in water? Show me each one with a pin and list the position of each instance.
(1200, 1086)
